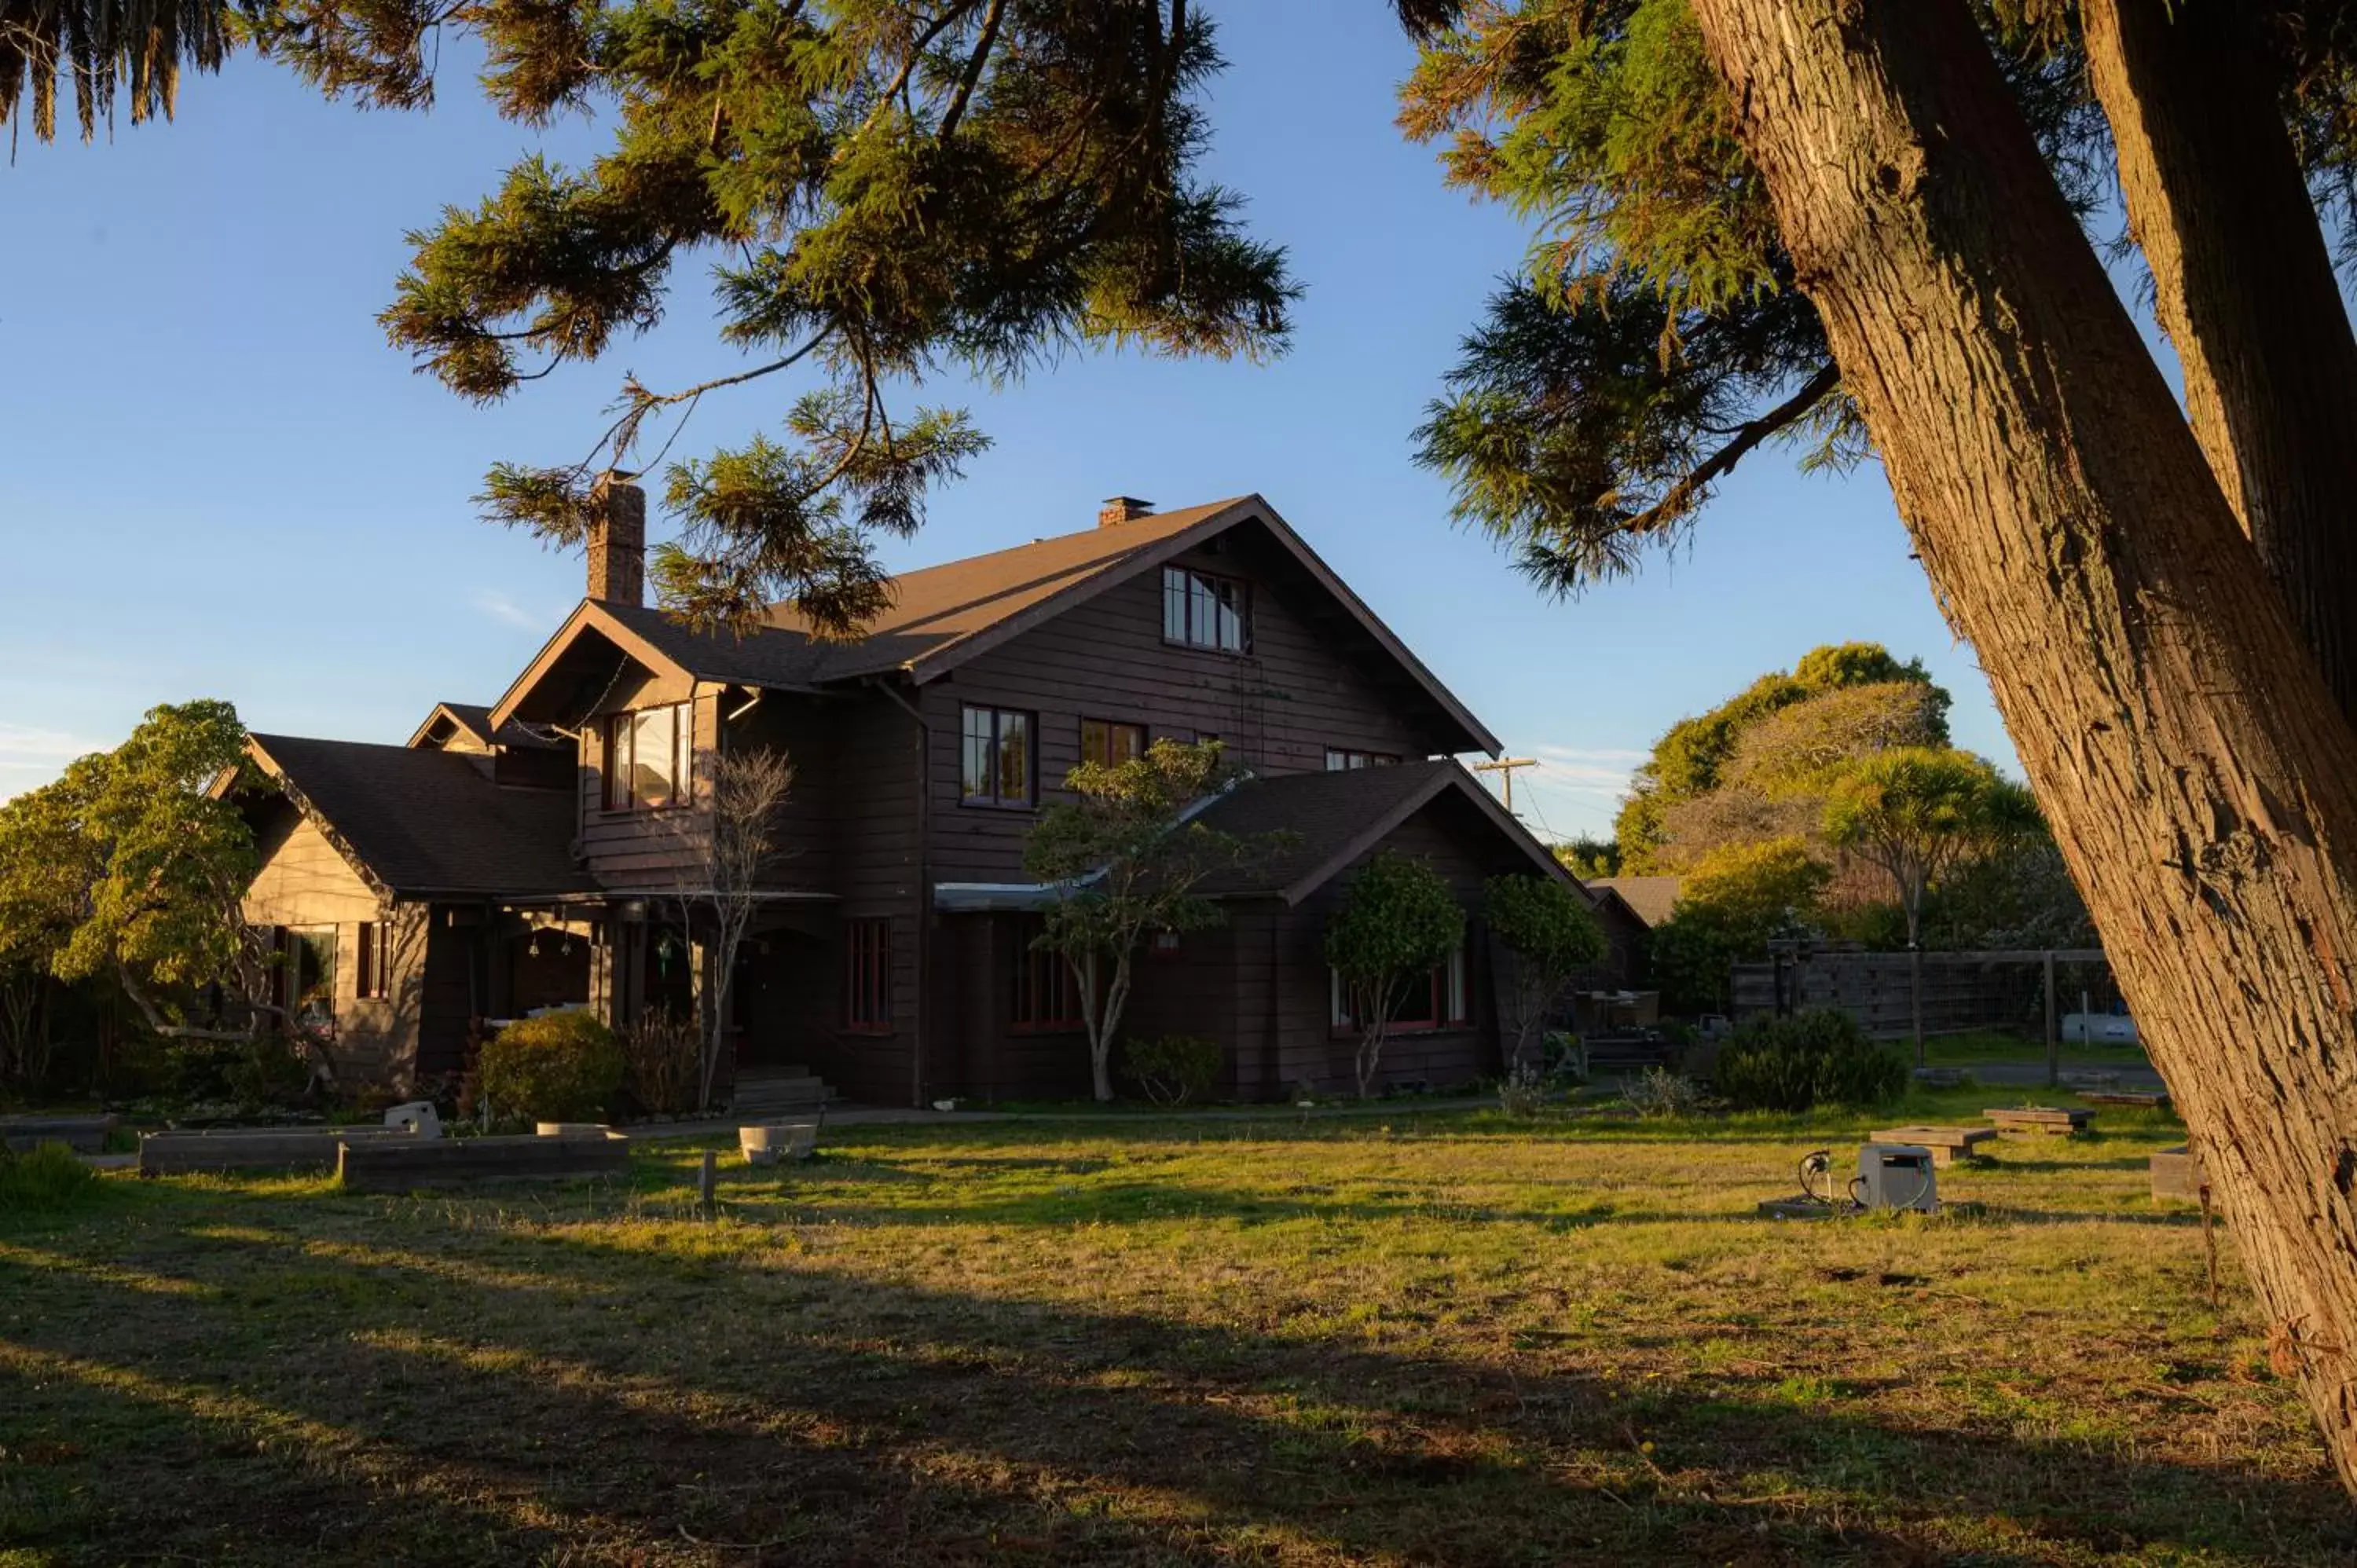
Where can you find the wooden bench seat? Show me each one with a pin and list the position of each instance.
(2053, 1122)
(1948, 1145)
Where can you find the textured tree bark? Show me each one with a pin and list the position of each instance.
(2245, 288)
(2199, 777)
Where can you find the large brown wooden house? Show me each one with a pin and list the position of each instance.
(534, 853)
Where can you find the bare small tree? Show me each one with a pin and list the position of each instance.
(730, 844)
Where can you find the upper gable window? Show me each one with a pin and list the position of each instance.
(650, 757)
(1200, 611)
(1339, 761)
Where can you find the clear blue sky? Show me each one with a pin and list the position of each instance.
(221, 482)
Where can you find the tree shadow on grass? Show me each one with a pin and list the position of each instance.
(580, 1396)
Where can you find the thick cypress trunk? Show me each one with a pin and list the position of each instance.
(2200, 779)
(2243, 286)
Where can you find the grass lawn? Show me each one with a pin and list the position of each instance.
(1989, 1046)
(1446, 1338)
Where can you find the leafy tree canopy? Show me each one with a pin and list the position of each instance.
(879, 191)
(125, 866)
(1689, 759)
(1125, 856)
(1655, 337)
(1398, 920)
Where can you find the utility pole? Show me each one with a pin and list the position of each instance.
(1506, 766)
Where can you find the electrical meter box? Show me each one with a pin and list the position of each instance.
(1897, 1176)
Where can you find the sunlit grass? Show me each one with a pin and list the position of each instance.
(1429, 1336)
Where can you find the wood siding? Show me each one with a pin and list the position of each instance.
(1302, 689)
(305, 881)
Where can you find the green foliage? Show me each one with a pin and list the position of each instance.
(1125, 856)
(125, 867)
(1655, 338)
(105, 49)
(1816, 1057)
(1657, 1093)
(1589, 858)
(559, 1066)
(1543, 923)
(1397, 921)
(1549, 935)
(1728, 909)
(1175, 1070)
(1917, 810)
(44, 1180)
(883, 190)
(1783, 730)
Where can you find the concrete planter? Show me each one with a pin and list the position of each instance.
(764, 1144)
(573, 1129)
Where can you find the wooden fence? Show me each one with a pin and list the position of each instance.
(1963, 992)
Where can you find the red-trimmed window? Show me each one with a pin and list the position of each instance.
(867, 977)
(1109, 744)
(1440, 1000)
(1047, 994)
(650, 757)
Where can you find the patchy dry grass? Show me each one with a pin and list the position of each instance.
(1449, 1339)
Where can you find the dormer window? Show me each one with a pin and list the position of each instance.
(1200, 611)
(650, 757)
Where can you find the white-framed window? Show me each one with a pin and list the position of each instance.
(650, 758)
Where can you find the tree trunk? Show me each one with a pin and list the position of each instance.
(1100, 1033)
(2243, 286)
(2201, 778)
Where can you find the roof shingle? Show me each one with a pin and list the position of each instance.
(427, 821)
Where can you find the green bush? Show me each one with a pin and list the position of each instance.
(560, 1067)
(1817, 1058)
(1171, 1069)
(44, 1180)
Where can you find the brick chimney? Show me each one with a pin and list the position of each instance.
(618, 540)
(1122, 508)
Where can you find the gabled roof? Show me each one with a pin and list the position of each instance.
(1335, 818)
(1650, 898)
(942, 616)
(419, 822)
(475, 720)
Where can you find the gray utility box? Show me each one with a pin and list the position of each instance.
(1897, 1176)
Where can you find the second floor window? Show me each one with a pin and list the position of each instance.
(1344, 761)
(650, 757)
(997, 769)
(1203, 611)
(1109, 745)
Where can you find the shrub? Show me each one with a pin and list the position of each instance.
(44, 1180)
(559, 1066)
(1817, 1058)
(662, 1058)
(1172, 1069)
(1658, 1091)
(1525, 1092)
